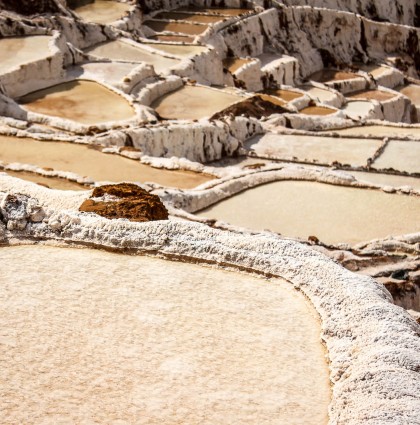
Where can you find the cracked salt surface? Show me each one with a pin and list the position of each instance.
(108, 337)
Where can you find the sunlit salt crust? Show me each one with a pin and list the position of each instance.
(355, 311)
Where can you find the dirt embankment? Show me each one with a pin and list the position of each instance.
(125, 200)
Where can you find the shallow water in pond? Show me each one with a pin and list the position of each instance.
(187, 103)
(81, 101)
(387, 179)
(318, 94)
(132, 337)
(327, 75)
(317, 110)
(286, 95)
(378, 95)
(325, 150)
(86, 161)
(401, 156)
(215, 10)
(17, 51)
(118, 50)
(174, 38)
(179, 16)
(332, 213)
(378, 130)
(357, 109)
(179, 27)
(412, 91)
(51, 182)
(179, 50)
(102, 12)
(233, 64)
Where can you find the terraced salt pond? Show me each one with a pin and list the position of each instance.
(233, 64)
(334, 214)
(378, 130)
(327, 75)
(176, 27)
(179, 50)
(83, 161)
(187, 103)
(189, 17)
(80, 101)
(130, 337)
(320, 95)
(400, 155)
(378, 95)
(286, 95)
(102, 11)
(387, 179)
(51, 182)
(323, 150)
(357, 109)
(214, 10)
(317, 110)
(17, 51)
(119, 50)
(412, 91)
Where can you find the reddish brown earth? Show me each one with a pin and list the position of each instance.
(131, 202)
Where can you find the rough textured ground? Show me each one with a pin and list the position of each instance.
(106, 338)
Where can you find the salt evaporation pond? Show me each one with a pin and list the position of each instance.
(130, 339)
(286, 95)
(357, 109)
(386, 179)
(321, 95)
(412, 91)
(51, 182)
(176, 27)
(189, 17)
(99, 166)
(334, 214)
(187, 103)
(17, 51)
(81, 101)
(119, 50)
(215, 10)
(233, 64)
(179, 50)
(102, 11)
(317, 110)
(377, 130)
(327, 75)
(324, 150)
(379, 95)
(400, 155)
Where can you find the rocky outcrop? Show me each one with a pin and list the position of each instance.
(30, 7)
(125, 201)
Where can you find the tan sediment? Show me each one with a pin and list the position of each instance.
(129, 337)
(83, 161)
(412, 91)
(51, 182)
(193, 102)
(81, 101)
(102, 11)
(317, 110)
(327, 75)
(174, 38)
(16, 51)
(286, 95)
(179, 16)
(178, 27)
(118, 50)
(233, 64)
(372, 95)
(333, 214)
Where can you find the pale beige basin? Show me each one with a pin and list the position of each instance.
(118, 50)
(129, 339)
(179, 50)
(51, 182)
(412, 91)
(83, 101)
(324, 150)
(92, 163)
(233, 64)
(379, 130)
(318, 94)
(103, 11)
(332, 213)
(386, 179)
(193, 102)
(401, 156)
(17, 51)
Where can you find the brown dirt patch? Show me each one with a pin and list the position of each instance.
(257, 107)
(131, 202)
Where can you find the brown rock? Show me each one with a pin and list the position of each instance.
(131, 202)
